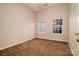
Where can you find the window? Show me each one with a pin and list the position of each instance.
(57, 26)
(42, 26)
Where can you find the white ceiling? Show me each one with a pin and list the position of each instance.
(40, 6)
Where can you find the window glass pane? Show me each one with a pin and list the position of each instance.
(57, 26)
(42, 26)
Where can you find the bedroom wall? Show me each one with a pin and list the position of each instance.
(55, 12)
(17, 24)
(74, 28)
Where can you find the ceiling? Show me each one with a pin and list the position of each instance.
(40, 6)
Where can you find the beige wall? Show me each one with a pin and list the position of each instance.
(59, 11)
(73, 23)
(17, 24)
(71, 26)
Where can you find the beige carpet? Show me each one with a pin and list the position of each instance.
(38, 47)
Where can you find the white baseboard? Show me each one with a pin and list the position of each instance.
(25, 41)
(53, 39)
(16, 43)
(71, 49)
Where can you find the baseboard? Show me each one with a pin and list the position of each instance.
(71, 49)
(15, 44)
(28, 40)
(52, 40)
